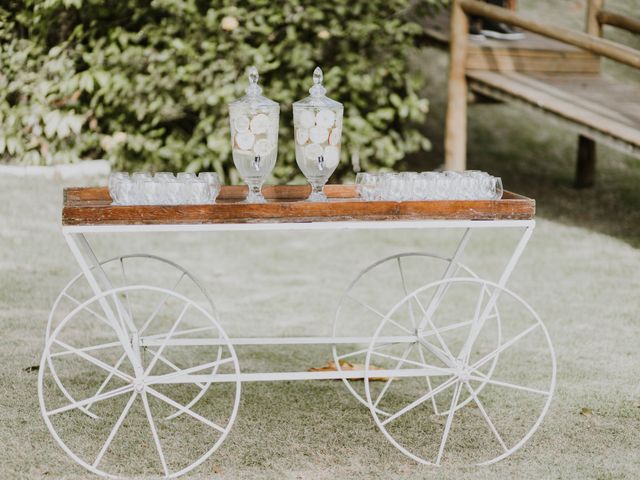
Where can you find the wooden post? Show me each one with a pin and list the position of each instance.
(593, 26)
(586, 161)
(455, 142)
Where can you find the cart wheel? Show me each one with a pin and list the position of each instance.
(133, 269)
(136, 355)
(517, 391)
(374, 291)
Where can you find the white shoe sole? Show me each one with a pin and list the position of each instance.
(502, 36)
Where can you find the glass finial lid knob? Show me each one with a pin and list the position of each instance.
(253, 89)
(317, 90)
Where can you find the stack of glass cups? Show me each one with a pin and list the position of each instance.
(317, 124)
(468, 185)
(163, 188)
(254, 136)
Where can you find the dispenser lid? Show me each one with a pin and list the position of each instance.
(254, 98)
(317, 97)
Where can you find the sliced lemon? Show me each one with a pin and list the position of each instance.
(262, 147)
(307, 119)
(325, 118)
(334, 138)
(313, 151)
(302, 135)
(241, 123)
(331, 156)
(318, 134)
(259, 124)
(245, 140)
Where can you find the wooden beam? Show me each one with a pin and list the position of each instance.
(455, 142)
(586, 165)
(599, 46)
(605, 17)
(593, 25)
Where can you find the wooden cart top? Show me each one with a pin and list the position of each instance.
(285, 204)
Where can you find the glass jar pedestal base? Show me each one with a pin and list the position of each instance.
(317, 193)
(255, 194)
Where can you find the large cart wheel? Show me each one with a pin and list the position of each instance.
(145, 355)
(516, 394)
(122, 271)
(375, 290)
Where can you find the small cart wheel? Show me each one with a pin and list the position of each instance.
(124, 270)
(503, 415)
(374, 291)
(135, 367)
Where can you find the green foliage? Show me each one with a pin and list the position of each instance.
(147, 83)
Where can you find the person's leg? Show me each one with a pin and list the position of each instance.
(500, 30)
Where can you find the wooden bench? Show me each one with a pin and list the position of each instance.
(553, 70)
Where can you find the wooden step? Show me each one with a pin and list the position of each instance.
(534, 53)
(602, 108)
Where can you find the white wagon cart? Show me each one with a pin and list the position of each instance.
(455, 368)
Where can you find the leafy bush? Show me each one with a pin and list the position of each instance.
(146, 83)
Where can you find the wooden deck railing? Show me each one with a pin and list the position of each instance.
(456, 120)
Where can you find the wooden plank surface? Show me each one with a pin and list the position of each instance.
(597, 102)
(285, 204)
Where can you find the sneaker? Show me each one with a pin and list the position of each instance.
(500, 31)
(475, 28)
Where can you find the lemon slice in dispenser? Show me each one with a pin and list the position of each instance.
(307, 119)
(259, 124)
(325, 118)
(318, 134)
(313, 151)
(331, 156)
(245, 140)
(262, 147)
(241, 124)
(302, 135)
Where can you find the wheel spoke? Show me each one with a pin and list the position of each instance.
(109, 377)
(433, 399)
(173, 366)
(159, 306)
(503, 347)
(169, 335)
(485, 379)
(91, 311)
(406, 293)
(188, 371)
(178, 333)
(86, 349)
(486, 416)
(380, 314)
(435, 330)
(390, 379)
(364, 350)
(95, 361)
(94, 399)
(115, 429)
(404, 360)
(154, 433)
(447, 426)
(184, 409)
(424, 398)
(126, 282)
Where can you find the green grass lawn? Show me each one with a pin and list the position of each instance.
(583, 284)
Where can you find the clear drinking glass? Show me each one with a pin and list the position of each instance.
(213, 182)
(115, 179)
(317, 125)
(254, 136)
